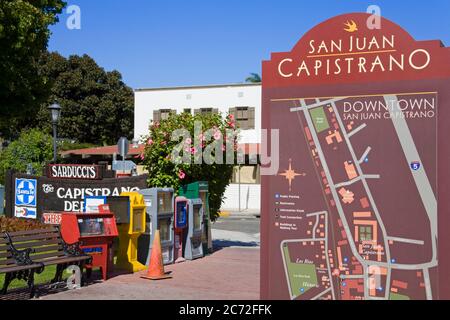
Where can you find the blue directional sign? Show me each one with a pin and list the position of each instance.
(26, 192)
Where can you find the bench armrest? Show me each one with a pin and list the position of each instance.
(72, 249)
(22, 257)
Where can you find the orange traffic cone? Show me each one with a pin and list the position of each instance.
(156, 266)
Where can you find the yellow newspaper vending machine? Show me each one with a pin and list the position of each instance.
(130, 232)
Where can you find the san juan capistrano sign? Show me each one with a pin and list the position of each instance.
(359, 208)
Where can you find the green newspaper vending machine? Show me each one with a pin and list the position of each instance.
(200, 189)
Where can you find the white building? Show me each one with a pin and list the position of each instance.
(243, 100)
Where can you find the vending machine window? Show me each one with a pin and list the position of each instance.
(138, 225)
(197, 217)
(181, 213)
(91, 227)
(165, 202)
(165, 230)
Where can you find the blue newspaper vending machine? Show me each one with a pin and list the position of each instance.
(180, 227)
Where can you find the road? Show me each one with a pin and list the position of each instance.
(236, 231)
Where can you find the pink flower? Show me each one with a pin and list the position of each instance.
(156, 124)
(188, 141)
(193, 150)
(231, 117)
(187, 149)
(140, 156)
(231, 124)
(201, 137)
(217, 135)
(223, 147)
(150, 142)
(163, 142)
(181, 174)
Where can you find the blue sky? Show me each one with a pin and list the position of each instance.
(156, 43)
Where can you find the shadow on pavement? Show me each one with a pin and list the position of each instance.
(232, 243)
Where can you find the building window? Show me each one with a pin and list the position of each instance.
(206, 111)
(187, 110)
(365, 233)
(245, 117)
(162, 114)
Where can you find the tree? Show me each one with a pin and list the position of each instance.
(96, 106)
(164, 168)
(253, 78)
(33, 147)
(24, 36)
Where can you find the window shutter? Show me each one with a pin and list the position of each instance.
(156, 115)
(233, 112)
(214, 111)
(251, 118)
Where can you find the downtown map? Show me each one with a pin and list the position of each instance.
(355, 201)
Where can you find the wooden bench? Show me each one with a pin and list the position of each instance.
(44, 247)
(16, 264)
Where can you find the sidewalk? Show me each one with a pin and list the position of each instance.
(227, 274)
(242, 213)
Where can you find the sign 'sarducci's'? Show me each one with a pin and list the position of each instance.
(358, 209)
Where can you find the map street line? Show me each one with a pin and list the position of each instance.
(364, 156)
(357, 130)
(318, 104)
(322, 293)
(357, 179)
(426, 277)
(412, 241)
(328, 258)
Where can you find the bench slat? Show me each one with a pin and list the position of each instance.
(37, 244)
(7, 261)
(5, 254)
(48, 248)
(31, 232)
(42, 256)
(63, 260)
(7, 269)
(34, 237)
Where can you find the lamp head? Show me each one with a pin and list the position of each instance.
(55, 110)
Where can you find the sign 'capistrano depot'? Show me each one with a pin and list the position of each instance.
(358, 209)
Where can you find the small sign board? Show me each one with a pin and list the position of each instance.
(126, 165)
(51, 218)
(74, 171)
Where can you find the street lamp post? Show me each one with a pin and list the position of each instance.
(55, 110)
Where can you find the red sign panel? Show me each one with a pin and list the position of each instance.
(357, 209)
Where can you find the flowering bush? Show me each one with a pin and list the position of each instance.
(185, 148)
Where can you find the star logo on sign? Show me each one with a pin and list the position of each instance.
(290, 174)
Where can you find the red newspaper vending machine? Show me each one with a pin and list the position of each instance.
(96, 232)
(180, 226)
